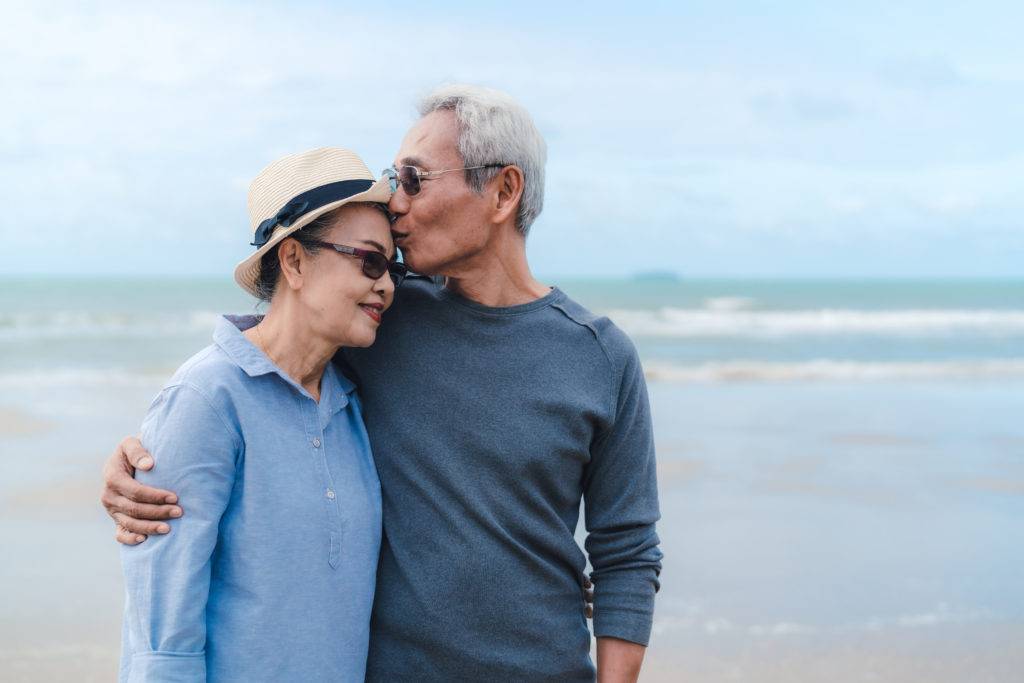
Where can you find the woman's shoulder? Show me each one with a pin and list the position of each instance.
(201, 390)
(209, 367)
(212, 374)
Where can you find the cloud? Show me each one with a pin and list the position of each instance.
(799, 108)
(692, 132)
(921, 73)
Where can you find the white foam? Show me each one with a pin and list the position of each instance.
(714, 626)
(832, 370)
(57, 325)
(64, 378)
(730, 320)
(728, 303)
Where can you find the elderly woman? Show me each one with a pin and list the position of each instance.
(270, 574)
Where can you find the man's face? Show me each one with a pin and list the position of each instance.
(445, 224)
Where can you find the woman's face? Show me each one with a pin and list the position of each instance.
(345, 305)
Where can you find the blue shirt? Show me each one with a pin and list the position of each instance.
(269, 575)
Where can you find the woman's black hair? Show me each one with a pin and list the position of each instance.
(307, 236)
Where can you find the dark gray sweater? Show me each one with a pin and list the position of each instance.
(488, 425)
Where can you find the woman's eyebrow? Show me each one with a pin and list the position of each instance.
(376, 245)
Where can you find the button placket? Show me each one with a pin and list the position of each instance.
(315, 439)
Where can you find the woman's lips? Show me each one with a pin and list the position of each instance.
(372, 311)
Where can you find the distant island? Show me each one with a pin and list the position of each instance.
(656, 276)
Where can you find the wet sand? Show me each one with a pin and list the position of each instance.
(825, 532)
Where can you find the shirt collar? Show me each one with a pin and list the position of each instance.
(334, 387)
(228, 336)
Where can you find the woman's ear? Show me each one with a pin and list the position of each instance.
(293, 260)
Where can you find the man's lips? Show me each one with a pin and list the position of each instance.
(372, 310)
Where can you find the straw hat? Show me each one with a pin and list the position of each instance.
(293, 191)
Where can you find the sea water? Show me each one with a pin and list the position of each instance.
(841, 466)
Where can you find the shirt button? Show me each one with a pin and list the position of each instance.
(330, 494)
(316, 443)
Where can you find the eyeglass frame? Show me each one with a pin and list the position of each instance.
(394, 175)
(398, 271)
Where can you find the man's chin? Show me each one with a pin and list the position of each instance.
(417, 265)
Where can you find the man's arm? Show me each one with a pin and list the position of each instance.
(137, 509)
(621, 496)
(618, 660)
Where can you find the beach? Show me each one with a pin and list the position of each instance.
(841, 469)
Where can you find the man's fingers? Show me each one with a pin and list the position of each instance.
(142, 527)
(589, 611)
(587, 583)
(136, 455)
(141, 511)
(589, 595)
(128, 538)
(140, 493)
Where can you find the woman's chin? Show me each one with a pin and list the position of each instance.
(362, 339)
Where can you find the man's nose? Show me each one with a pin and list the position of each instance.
(399, 202)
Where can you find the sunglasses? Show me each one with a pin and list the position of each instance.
(375, 264)
(409, 177)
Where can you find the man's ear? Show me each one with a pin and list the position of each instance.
(509, 193)
(294, 261)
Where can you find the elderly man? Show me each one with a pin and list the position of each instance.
(494, 404)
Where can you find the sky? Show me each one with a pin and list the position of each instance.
(744, 139)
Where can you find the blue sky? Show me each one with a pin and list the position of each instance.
(711, 139)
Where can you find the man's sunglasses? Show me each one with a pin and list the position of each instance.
(409, 177)
(375, 263)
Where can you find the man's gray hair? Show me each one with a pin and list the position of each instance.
(495, 129)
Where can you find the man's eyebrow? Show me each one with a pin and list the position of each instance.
(412, 161)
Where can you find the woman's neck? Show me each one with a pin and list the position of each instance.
(290, 342)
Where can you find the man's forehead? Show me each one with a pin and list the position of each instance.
(434, 137)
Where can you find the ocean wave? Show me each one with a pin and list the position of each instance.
(832, 370)
(714, 372)
(941, 615)
(731, 320)
(720, 317)
(63, 378)
(728, 303)
(57, 325)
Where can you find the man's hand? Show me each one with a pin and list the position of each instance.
(138, 510)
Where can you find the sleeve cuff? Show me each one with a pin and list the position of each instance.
(632, 626)
(168, 667)
(624, 605)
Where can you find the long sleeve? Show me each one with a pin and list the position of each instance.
(167, 578)
(621, 496)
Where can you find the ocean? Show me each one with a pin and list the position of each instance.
(841, 468)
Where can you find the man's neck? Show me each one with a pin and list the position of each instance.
(498, 278)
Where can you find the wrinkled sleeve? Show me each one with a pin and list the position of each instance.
(621, 498)
(167, 578)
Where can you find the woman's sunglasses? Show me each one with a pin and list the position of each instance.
(409, 177)
(375, 263)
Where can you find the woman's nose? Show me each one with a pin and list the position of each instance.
(385, 286)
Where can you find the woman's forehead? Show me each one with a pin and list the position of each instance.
(362, 223)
